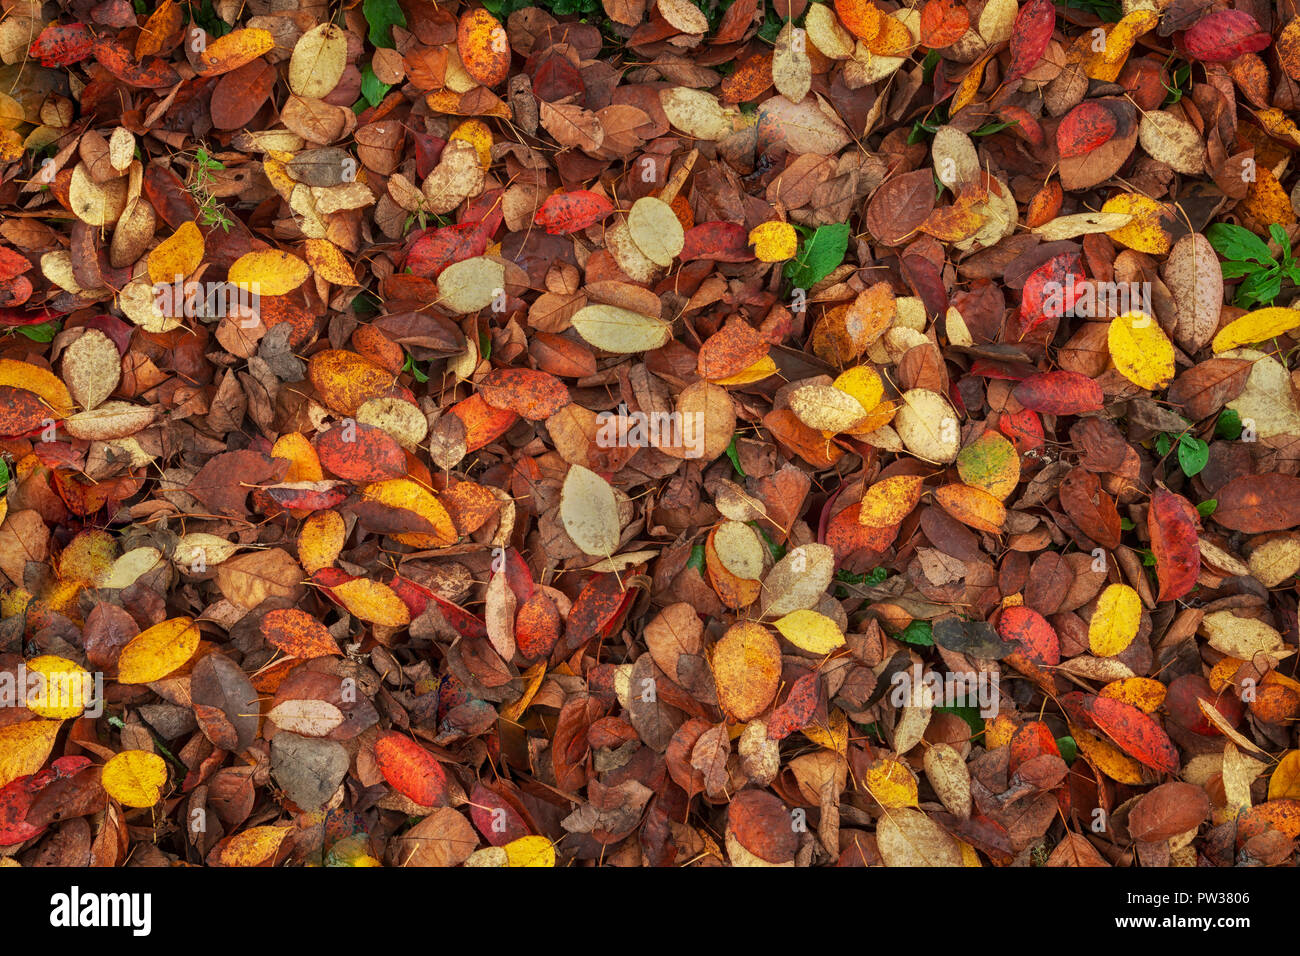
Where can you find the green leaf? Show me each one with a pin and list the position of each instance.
(44, 332)
(918, 632)
(414, 369)
(1068, 748)
(1193, 455)
(735, 458)
(1281, 238)
(1126, 525)
(696, 560)
(4, 476)
(819, 256)
(372, 89)
(1163, 444)
(1259, 287)
(1235, 270)
(1109, 11)
(1237, 242)
(1207, 508)
(383, 15)
(1229, 425)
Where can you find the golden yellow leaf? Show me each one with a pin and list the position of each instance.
(157, 651)
(269, 272)
(320, 540)
(372, 601)
(1141, 350)
(774, 241)
(892, 783)
(24, 747)
(1285, 781)
(530, 851)
(253, 847)
(177, 255)
(1106, 757)
(864, 384)
(810, 631)
(135, 778)
(476, 133)
(64, 690)
(1147, 231)
(1257, 326)
(747, 669)
(328, 263)
(889, 500)
(1144, 693)
(1115, 621)
(39, 380)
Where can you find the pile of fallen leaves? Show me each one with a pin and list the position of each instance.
(649, 432)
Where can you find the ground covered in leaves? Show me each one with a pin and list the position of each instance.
(649, 432)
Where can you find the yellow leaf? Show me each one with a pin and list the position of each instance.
(176, 256)
(268, 272)
(154, 653)
(135, 778)
(64, 689)
(990, 463)
(1144, 693)
(253, 847)
(24, 747)
(321, 540)
(1285, 782)
(891, 783)
(998, 731)
(759, 370)
(1147, 231)
(746, 669)
(774, 241)
(864, 384)
(372, 601)
(405, 493)
(1107, 63)
(810, 631)
(826, 408)
(328, 263)
(530, 851)
(1115, 622)
(1266, 201)
(41, 381)
(1106, 757)
(1257, 326)
(476, 133)
(1141, 350)
(890, 500)
(230, 52)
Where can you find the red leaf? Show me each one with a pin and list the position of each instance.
(1171, 522)
(1030, 37)
(1137, 734)
(411, 770)
(63, 45)
(1038, 640)
(1085, 128)
(797, 710)
(1060, 393)
(564, 213)
(1224, 35)
(719, 241)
